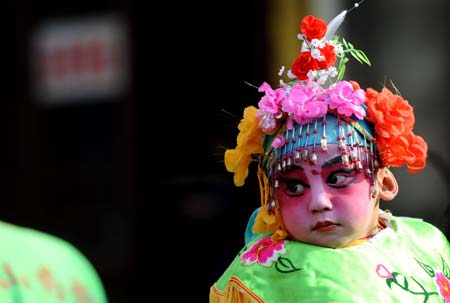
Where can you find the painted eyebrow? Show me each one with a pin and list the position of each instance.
(332, 161)
(297, 167)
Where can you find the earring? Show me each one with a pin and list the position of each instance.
(373, 191)
(271, 206)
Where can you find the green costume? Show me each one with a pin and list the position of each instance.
(409, 261)
(40, 268)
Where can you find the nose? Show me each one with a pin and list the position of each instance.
(320, 200)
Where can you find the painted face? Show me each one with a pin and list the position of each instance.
(327, 204)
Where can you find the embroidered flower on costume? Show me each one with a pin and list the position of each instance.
(417, 288)
(249, 142)
(394, 120)
(383, 272)
(444, 286)
(264, 251)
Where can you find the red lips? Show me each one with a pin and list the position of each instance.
(324, 226)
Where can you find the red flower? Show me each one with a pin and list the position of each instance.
(330, 57)
(303, 64)
(313, 28)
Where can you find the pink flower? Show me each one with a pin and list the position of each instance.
(444, 286)
(271, 101)
(269, 111)
(266, 121)
(383, 272)
(302, 105)
(264, 251)
(278, 141)
(346, 100)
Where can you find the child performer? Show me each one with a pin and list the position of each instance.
(324, 147)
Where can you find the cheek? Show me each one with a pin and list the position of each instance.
(292, 208)
(293, 219)
(357, 201)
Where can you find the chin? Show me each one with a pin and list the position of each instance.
(324, 243)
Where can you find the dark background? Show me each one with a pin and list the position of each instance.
(137, 182)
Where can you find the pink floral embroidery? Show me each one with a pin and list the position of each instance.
(444, 286)
(46, 279)
(383, 272)
(81, 293)
(264, 251)
(48, 282)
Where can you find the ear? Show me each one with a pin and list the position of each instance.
(387, 184)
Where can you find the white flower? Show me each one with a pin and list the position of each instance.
(312, 74)
(316, 43)
(338, 50)
(332, 71)
(291, 75)
(316, 54)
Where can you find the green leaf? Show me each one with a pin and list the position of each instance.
(284, 265)
(389, 282)
(355, 55)
(363, 56)
(341, 72)
(345, 43)
(405, 283)
(427, 268)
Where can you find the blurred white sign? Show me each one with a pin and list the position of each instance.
(80, 60)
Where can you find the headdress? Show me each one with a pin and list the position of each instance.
(297, 120)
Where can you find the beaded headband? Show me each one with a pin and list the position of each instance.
(315, 108)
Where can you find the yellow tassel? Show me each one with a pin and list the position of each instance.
(259, 226)
(215, 295)
(263, 186)
(279, 235)
(266, 221)
(235, 292)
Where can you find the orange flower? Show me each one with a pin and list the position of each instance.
(407, 149)
(249, 142)
(391, 113)
(393, 118)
